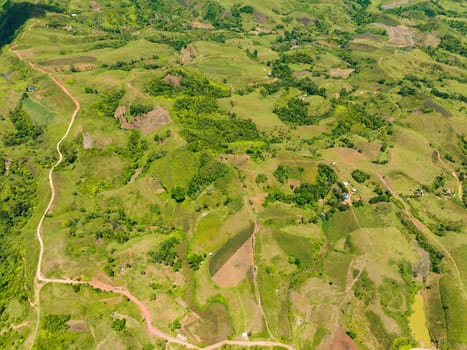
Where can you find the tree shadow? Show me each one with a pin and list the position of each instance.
(14, 15)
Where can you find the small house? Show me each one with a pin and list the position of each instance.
(31, 88)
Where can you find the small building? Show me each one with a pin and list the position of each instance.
(354, 190)
(244, 335)
(31, 88)
(345, 183)
(346, 196)
(74, 15)
(418, 193)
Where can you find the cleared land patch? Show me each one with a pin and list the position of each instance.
(235, 269)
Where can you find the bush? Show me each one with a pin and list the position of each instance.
(119, 324)
(360, 176)
(178, 193)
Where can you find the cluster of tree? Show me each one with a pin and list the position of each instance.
(296, 112)
(216, 131)
(381, 196)
(108, 103)
(54, 333)
(208, 172)
(166, 253)
(195, 260)
(18, 195)
(119, 324)
(309, 193)
(25, 129)
(357, 115)
(281, 174)
(117, 226)
(196, 104)
(459, 26)
(359, 12)
(429, 8)
(189, 84)
(138, 109)
(453, 44)
(360, 176)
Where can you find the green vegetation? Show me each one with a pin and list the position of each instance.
(207, 124)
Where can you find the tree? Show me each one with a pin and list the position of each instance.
(360, 176)
(178, 193)
(119, 324)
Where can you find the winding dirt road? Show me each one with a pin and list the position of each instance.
(40, 280)
(427, 232)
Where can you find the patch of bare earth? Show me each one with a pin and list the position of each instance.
(237, 160)
(340, 72)
(103, 141)
(342, 341)
(77, 326)
(400, 35)
(173, 79)
(187, 54)
(303, 73)
(199, 25)
(135, 175)
(394, 4)
(94, 6)
(87, 141)
(348, 155)
(260, 17)
(147, 122)
(236, 268)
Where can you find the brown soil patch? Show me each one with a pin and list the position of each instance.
(186, 55)
(342, 341)
(94, 6)
(26, 53)
(263, 82)
(135, 175)
(87, 141)
(427, 39)
(120, 112)
(258, 200)
(303, 73)
(394, 4)
(400, 35)
(293, 183)
(304, 20)
(199, 25)
(340, 73)
(173, 79)
(104, 141)
(147, 122)
(237, 160)
(260, 17)
(370, 150)
(348, 155)
(77, 326)
(235, 269)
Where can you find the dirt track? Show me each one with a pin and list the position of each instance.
(426, 231)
